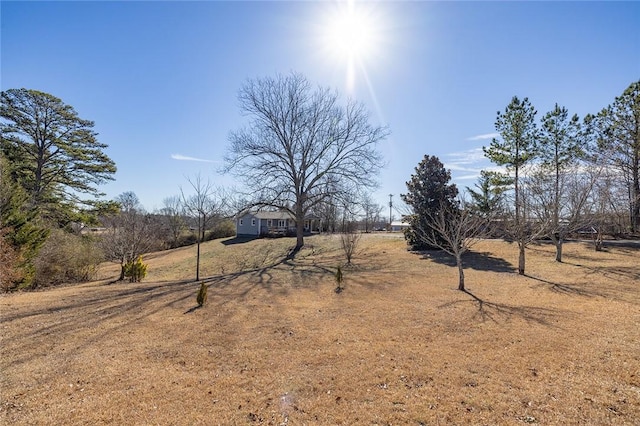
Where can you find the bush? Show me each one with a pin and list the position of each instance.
(223, 229)
(135, 270)
(202, 295)
(66, 258)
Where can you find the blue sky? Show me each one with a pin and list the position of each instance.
(160, 79)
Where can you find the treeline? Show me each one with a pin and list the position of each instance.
(555, 177)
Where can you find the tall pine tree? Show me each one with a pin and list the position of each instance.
(53, 154)
(515, 148)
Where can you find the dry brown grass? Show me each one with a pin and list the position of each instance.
(275, 344)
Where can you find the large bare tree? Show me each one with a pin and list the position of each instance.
(302, 145)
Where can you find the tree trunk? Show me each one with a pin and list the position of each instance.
(521, 260)
(460, 273)
(558, 250)
(299, 229)
(200, 227)
(121, 272)
(635, 194)
(198, 261)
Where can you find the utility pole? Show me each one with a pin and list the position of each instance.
(390, 206)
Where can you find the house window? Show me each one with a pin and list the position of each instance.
(240, 222)
(253, 222)
(269, 222)
(281, 223)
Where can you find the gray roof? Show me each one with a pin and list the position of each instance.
(273, 215)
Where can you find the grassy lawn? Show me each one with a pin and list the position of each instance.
(276, 345)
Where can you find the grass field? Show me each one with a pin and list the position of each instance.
(276, 345)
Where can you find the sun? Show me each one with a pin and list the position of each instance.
(350, 33)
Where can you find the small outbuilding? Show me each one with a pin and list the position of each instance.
(399, 226)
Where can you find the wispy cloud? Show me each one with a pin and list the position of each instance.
(181, 157)
(483, 137)
(461, 158)
(467, 164)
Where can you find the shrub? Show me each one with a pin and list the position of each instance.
(135, 270)
(224, 229)
(349, 241)
(66, 258)
(202, 295)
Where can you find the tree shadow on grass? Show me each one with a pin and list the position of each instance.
(481, 261)
(490, 311)
(570, 289)
(240, 239)
(193, 309)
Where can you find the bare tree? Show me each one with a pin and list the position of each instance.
(453, 228)
(562, 200)
(204, 205)
(370, 210)
(129, 233)
(173, 217)
(302, 146)
(608, 206)
(349, 240)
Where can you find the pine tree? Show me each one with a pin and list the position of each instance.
(54, 155)
(20, 231)
(515, 148)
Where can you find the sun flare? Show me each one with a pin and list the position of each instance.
(350, 33)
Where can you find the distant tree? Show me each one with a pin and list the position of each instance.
(53, 153)
(429, 191)
(618, 135)
(204, 205)
(370, 211)
(453, 228)
(327, 212)
(489, 196)
(516, 148)
(303, 146)
(129, 233)
(561, 146)
(173, 218)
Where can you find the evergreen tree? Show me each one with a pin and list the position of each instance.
(515, 148)
(428, 189)
(20, 232)
(561, 145)
(618, 136)
(488, 198)
(53, 154)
